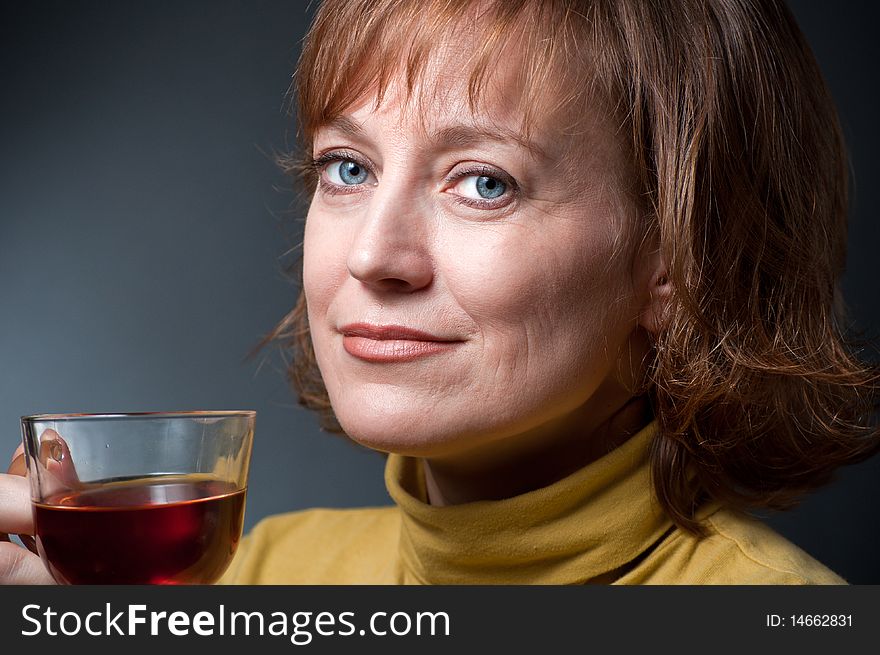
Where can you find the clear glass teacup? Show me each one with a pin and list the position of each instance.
(142, 498)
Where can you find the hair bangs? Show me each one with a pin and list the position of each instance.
(395, 42)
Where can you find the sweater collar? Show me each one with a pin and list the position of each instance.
(575, 530)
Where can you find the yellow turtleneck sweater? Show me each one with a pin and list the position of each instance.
(601, 524)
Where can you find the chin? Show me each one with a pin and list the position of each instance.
(411, 431)
(378, 420)
(404, 435)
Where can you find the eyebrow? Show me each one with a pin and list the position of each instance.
(451, 137)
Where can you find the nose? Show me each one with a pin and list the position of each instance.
(391, 249)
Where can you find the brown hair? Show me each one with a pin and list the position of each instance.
(739, 162)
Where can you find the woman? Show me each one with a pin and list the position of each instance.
(573, 265)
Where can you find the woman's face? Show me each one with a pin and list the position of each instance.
(436, 220)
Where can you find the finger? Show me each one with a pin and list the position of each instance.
(15, 500)
(55, 454)
(60, 474)
(18, 465)
(18, 566)
(18, 452)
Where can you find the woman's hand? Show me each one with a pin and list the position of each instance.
(18, 565)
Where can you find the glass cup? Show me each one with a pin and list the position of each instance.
(145, 498)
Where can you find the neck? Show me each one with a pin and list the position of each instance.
(515, 465)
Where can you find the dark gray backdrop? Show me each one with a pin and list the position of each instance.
(142, 234)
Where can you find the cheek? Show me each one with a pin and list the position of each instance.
(558, 296)
(550, 321)
(324, 272)
(324, 261)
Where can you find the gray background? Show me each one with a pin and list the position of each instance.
(144, 230)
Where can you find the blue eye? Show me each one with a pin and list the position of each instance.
(489, 187)
(480, 187)
(343, 172)
(349, 172)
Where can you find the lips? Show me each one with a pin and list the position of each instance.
(392, 343)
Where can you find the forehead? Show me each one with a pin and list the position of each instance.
(437, 110)
(441, 132)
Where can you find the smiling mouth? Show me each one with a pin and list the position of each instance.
(392, 343)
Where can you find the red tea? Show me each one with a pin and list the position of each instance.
(162, 530)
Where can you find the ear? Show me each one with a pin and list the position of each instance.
(657, 292)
